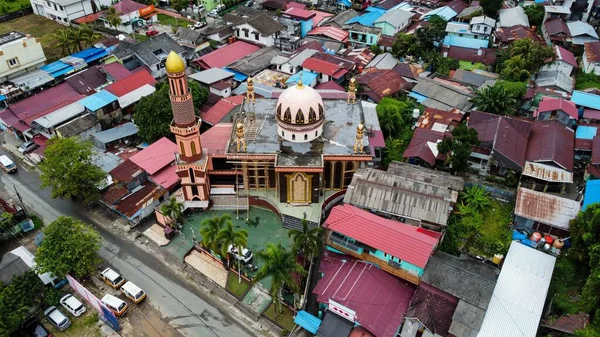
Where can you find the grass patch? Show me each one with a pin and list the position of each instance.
(36, 26)
(13, 6)
(83, 326)
(140, 37)
(587, 81)
(568, 280)
(493, 236)
(466, 65)
(233, 286)
(171, 21)
(284, 319)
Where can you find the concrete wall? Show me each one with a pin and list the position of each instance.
(20, 56)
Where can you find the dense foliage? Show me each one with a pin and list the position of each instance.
(423, 41)
(525, 57)
(395, 117)
(74, 39)
(587, 81)
(69, 247)
(495, 100)
(16, 300)
(458, 147)
(515, 90)
(491, 7)
(535, 14)
(68, 169)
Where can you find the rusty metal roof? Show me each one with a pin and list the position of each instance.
(547, 172)
(546, 208)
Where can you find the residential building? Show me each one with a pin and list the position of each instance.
(133, 15)
(329, 33)
(224, 56)
(591, 58)
(555, 80)
(151, 53)
(556, 31)
(515, 16)
(383, 61)
(397, 248)
(374, 133)
(19, 54)
(557, 109)
(254, 63)
(444, 12)
(11, 266)
(302, 16)
(416, 195)
(341, 18)
(64, 11)
(442, 94)
(377, 84)
(368, 18)
(408, 71)
(394, 21)
(477, 78)
(582, 32)
(544, 212)
(131, 89)
(219, 34)
(482, 25)
(213, 76)
(222, 112)
(82, 127)
(292, 63)
(360, 35)
(507, 35)
(564, 62)
(585, 101)
(327, 71)
(261, 30)
(122, 134)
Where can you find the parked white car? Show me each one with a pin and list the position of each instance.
(246, 254)
(213, 14)
(73, 305)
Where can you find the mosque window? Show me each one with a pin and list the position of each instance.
(299, 117)
(293, 137)
(305, 137)
(279, 111)
(182, 148)
(321, 113)
(193, 145)
(312, 115)
(288, 115)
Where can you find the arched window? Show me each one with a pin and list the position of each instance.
(279, 111)
(305, 136)
(181, 93)
(288, 115)
(312, 115)
(321, 113)
(293, 137)
(317, 133)
(299, 117)
(193, 145)
(182, 149)
(282, 133)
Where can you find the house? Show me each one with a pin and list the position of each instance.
(83, 127)
(564, 62)
(189, 37)
(130, 90)
(346, 288)
(302, 16)
(220, 34)
(88, 81)
(254, 63)
(360, 35)
(582, 32)
(218, 81)
(292, 63)
(555, 80)
(151, 53)
(442, 95)
(394, 21)
(584, 139)
(382, 62)
(515, 16)
(371, 123)
(399, 249)
(556, 31)
(157, 160)
(19, 54)
(64, 11)
(444, 12)
(507, 314)
(327, 71)
(408, 71)
(419, 196)
(329, 33)
(261, 30)
(224, 56)
(559, 109)
(341, 18)
(591, 58)
(368, 18)
(476, 78)
(474, 35)
(222, 110)
(592, 192)
(122, 134)
(586, 101)
(452, 298)
(11, 266)
(377, 84)
(359, 56)
(133, 15)
(482, 25)
(507, 35)
(592, 170)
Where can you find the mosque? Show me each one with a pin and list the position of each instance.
(289, 154)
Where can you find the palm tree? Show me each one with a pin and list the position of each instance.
(62, 40)
(390, 120)
(113, 17)
(90, 36)
(210, 231)
(280, 265)
(476, 197)
(238, 239)
(77, 37)
(494, 100)
(173, 209)
(306, 242)
(516, 69)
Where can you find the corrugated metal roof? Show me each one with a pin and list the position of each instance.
(444, 12)
(586, 132)
(211, 75)
(58, 68)
(156, 156)
(551, 103)
(546, 208)
(586, 99)
(513, 17)
(32, 79)
(309, 322)
(135, 95)
(225, 56)
(592, 193)
(520, 293)
(61, 115)
(369, 17)
(547, 172)
(551, 141)
(396, 17)
(98, 100)
(119, 132)
(307, 77)
(465, 42)
(331, 32)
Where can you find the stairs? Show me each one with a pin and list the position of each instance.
(291, 222)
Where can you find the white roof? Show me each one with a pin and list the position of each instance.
(134, 96)
(110, 274)
(383, 61)
(27, 257)
(131, 288)
(211, 75)
(518, 299)
(4, 160)
(458, 27)
(547, 172)
(396, 17)
(581, 28)
(111, 300)
(558, 9)
(513, 16)
(299, 58)
(61, 115)
(486, 20)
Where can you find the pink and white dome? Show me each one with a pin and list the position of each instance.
(300, 114)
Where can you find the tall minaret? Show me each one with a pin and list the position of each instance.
(186, 128)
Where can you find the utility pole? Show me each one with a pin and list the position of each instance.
(21, 200)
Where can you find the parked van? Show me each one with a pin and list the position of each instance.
(7, 165)
(115, 304)
(111, 278)
(133, 292)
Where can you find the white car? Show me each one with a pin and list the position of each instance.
(73, 305)
(246, 254)
(60, 321)
(199, 24)
(213, 14)
(220, 7)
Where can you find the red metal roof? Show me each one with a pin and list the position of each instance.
(376, 140)
(156, 156)
(592, 51)
(225, 56)
(125, 172)
(330, 85)
(556, 26)
(596, 150)
(320, 66)
(224, 106)
(591, 114)
(166, 177)
(551, 104)
(215, 139)
(136, 201)
(131, 83)
(418, 147)
(379, 299)
(298, 13)
(89, 18)
(434, 308)
(116, 70)
(296, 5)
(551, 141)
(113, 194)
(406, 242)
(320, 16)
(484, 55)
(565, 55)
(128, 6)
(331, 32)
(382, 83)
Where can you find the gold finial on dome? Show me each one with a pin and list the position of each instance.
(352, 91)
(174, 63)
(299, 84)
(358, 141)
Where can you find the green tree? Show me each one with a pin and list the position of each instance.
(394, 115)
(113, 17)
(494, 100)
(515, 90)
(476, 197)
(17, 299)
(69, 247)
(535, 14)
(89, 36)
(491, 7)
(77, 36)
(68, 169)
(153, 113)
(307, 241)
(210, 231)
(405, 45)
(62, 41)
(237, 239)
(6, 222)
(428, 36)
(179, 5)
(173, 209)
(281, 266)
(462, 225)
(459, 147)
(525, 59)
(516, 69)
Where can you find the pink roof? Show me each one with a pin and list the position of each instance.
(166, 177)
(215, 114)
(591, 114)
(299, 13)
(128, 6)
(379, 299)
(408, 243)
(215, 139)
(128, 84)
(225, 56)
(377, 139)
(330, 85)
(296, 5)
(156, 156)
(567, 56)
(550, 104)
(320, 16)
(331, 32)
(321, 66)
(44, 103)
(117, 71)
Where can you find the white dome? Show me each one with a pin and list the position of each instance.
(300, 114)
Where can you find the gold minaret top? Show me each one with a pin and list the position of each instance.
(174, 63)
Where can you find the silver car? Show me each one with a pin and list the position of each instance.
(60, 321)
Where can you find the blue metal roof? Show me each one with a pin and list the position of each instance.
(445, 13)
(309, 322)
(465, 42)
(58, 68)
(367, 19)
(420, 98)
(592, 193)
(586, 132)
(98, 100)
(307, 77)
(237, 75)
(91, 54)
(586, 99)
(344, 2)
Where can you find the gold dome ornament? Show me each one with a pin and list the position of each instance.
(352, 91)
(174, 63)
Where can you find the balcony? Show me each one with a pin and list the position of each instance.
(390, 267)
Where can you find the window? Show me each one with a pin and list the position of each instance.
(279, 111)
(48, 4)
(282, 133)
(182, 148)
(245, 33)
(305, 137)
(299, 117)
(320, 111)
(287, 117)
(55, 8)
(13, 62)
(317, 133)
(293, 137)
(312, 115)
(61, 7)
(256, 36)
(193, 149)
(65, 20)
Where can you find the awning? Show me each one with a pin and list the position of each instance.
(309, 322)
(334, 326)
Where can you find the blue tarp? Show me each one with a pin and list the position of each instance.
(420, 98)
(237, 75)
(91, 54)
(307, 78)
(465, 42)
(592, 193)
(367, 19)
(345, 3)
(309, 322)
(586, 99)
(2, 98)
(586, 132)
(98, 100)
(58, 68)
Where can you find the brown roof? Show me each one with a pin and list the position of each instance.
(382, 83)
(457, 5)
(125, 172)
(551, 141)
(406, 70)
(484, 55)
(592, 51)
(419, 147)
(596, 150)
(432, 116)
(221, 85)
(433, 308)
(386, 41)
(265, 24)
(134, 202)
(557, 30)
(114, 194)
(510, 34)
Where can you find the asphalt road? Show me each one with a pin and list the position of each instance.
(187, 310)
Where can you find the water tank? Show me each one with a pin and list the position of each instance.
(535, 237)
(416, 113)
(497, 258)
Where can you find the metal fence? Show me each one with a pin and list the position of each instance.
(495, 193)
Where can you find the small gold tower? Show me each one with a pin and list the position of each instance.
(240, 141)
(358, 142)
(250, 90)
(352, 91)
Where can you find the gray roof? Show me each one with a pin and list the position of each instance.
(395, 17)
(252, 64)
(211, 75)
(486, 20)
(408, 191)
(383, 61)
(77, 126)
(512, 17)
(581, 28)
(468, 11)
(340, 19)
(145, 50)
(265, 25)
(246, 11)
(554, 78)
(188, 35)
(470, 77)
(443, 97)
(107, 161)
(11, 266)
(371, 119)
(61, 115)
(221, 31)
(32, 79)
(438, 178)
(116, 133)
(234, 19)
